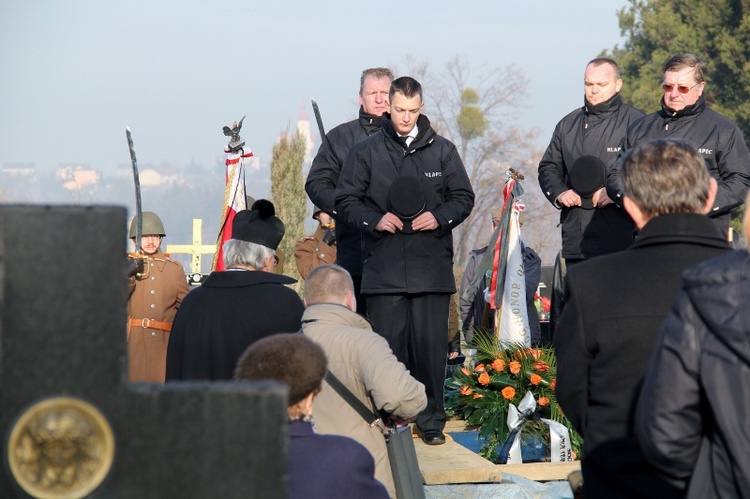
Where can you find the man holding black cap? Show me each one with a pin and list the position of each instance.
(318, 249)
(572, 171)
(405, 189)
(234, 308)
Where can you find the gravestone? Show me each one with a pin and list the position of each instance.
(71, 425)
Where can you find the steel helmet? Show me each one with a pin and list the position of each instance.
(151, 225)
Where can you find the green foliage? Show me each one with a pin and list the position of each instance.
(470, 119)
(717, 31)
(288, 195)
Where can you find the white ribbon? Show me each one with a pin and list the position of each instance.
(560, 447)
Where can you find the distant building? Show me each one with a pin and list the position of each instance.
(74, 177)
(19, 169)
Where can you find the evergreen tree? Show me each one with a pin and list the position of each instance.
(288, 195)
(717, 31)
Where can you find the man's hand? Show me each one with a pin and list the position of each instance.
(135, 266)
(389, 223)
(600, 198)
(425, 221)
(399, 421)
(569, 198)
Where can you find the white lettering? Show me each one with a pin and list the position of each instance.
(613, 149)
(705, 151)
(433, 174)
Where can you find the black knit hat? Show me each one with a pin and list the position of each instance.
(259, 225)
(406, 200)
(587, 175)
(291, 358)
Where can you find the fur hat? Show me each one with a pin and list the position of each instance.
(291, 358)
(587, 175)
(259, 225)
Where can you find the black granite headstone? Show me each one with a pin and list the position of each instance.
(63, 297)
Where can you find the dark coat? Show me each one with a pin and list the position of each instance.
(329, 466)
(324, 175)
(588, 131)
(220, 319)
(717, 139)
(405, 263)
(616, 306)
(696, 395)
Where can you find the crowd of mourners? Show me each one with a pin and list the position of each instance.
(649, 318)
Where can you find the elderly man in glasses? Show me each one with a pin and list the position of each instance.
(685, 115)
(572, 172)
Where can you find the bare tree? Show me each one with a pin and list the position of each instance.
(477, 110)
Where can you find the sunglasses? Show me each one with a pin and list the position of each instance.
(668, 87)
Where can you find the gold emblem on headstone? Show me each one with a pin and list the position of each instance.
(61, 448)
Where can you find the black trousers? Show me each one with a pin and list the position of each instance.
(361, 299)
(416, 328)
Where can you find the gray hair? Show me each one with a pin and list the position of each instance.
(376, 73)
(682, 61)
(243, 253)
(666, 176)
(327, 284)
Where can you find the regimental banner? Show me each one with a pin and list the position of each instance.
(234, 200)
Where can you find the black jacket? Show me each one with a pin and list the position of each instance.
(604, 339)
(588, 131)
(324, 175)
(405, 263)
(220, 319)
(717, 139)
(696, 395)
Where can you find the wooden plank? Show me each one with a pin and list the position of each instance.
(453, 463)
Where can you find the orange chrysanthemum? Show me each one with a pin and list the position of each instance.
(484, 379)
(515, 367)
(479, 368)
(498, 365)
(509, 392)
(465, 390)
(543, 401)
(535, 379)
(541, 367)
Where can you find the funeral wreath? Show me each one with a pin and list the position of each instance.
(503, 374)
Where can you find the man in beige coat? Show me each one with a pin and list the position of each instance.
(361, 360)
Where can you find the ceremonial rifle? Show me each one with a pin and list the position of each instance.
(322, 130)
(138, 205)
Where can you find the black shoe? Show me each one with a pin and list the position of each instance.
(433, 437)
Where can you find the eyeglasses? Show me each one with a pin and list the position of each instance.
(668, 87)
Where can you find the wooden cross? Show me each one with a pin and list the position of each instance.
(196, 250)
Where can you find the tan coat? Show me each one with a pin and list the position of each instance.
(155, 296)
(361, 360)
(311, 251)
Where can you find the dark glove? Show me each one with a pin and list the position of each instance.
(135, 266)
(329, 237)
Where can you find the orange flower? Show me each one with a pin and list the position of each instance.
(541, 367)
(535, 379)
(479, 368)
(543, 401)
(484, 379)
(465, 371)
(515, 367)
(509, 392)
(519, 354)
(536, 353)
(465, 390)
(498, 365)
(478, 395)
(553, 383)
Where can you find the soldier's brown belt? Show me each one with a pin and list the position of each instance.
(151, 324)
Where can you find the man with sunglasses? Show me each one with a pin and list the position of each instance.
(684, 114)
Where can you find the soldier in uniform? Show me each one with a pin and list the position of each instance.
(157, 286)
(318, 249)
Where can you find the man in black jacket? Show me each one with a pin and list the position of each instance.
(616, 306)
(592, 226)
(374, 86)
(685, 115)
(405, 189)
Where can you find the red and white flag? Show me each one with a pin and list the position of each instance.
(234, 201)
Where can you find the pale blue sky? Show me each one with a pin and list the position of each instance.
(76, 72)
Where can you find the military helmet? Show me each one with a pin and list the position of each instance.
(151, 225)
